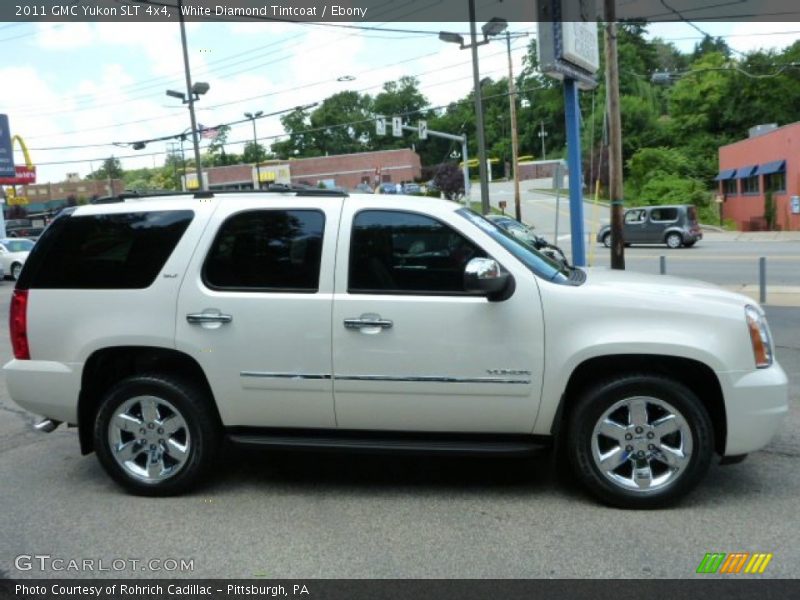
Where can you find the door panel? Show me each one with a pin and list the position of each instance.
(270, 365)
(447, 363)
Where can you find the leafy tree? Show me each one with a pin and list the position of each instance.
(450, 180)
(254, 152)
(111, 169)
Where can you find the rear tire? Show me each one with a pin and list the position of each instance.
(639, 441)
(16, 269)
(607, 240)
(156, 435)
(674, 241)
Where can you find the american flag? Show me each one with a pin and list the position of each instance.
(207, 133)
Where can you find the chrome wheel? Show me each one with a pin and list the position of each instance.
(16, 269)
(149, 438)
(674, 241)
(642, 444)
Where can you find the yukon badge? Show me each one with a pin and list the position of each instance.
(507, 372)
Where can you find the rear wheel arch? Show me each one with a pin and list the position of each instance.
(693, 374)
(106, 367)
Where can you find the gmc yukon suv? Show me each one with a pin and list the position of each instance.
(162, 327)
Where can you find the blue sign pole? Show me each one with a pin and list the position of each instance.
(6, 151)
(572, 117)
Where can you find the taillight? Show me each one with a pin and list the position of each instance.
(18, 324)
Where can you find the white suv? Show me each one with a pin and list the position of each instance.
(161, 327)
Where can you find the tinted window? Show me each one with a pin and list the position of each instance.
(267, 250)
(113, 251)
(664, 214)
(393, 251)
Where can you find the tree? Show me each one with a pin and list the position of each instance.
(111, 169)
(450, 180)
(254, 152)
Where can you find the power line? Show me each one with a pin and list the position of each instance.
(311, 129)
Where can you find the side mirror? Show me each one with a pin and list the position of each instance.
(484, 275)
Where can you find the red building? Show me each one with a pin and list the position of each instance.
(340, 170)
(767, 161)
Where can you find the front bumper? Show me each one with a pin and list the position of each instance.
(755, 404)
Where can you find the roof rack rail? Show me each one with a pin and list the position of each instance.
(275, 189)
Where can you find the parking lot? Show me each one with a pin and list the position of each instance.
(327, 515)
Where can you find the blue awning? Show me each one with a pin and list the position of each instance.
(725, 174)
(776, 166)
(744, 172)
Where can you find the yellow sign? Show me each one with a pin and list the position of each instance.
(13, 199)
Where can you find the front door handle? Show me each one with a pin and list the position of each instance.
(368, 322)
(208, 317)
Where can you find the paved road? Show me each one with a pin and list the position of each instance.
(722, 262)
(316, 515)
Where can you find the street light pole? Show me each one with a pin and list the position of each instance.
(542, 135)
(190, 95)
(615, 190)
(478, 111)
(512, 98)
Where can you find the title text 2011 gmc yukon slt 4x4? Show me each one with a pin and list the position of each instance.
(162, 326)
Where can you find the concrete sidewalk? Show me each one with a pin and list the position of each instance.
(777, 295)
(750, 236)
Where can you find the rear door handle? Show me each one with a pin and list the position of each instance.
(368, 321)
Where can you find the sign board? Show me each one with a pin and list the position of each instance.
(380, 126)
(567, 40)
(397, 126)
(13, 200)
(422, 130)
(23, 175)
(6, 149)
(796, 205)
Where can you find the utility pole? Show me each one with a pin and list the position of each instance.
(512, 100)
(476, 79)
(615, 191)
(190, 95)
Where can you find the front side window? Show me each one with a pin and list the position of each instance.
(634, 216)
(267, 250)
(404, 252)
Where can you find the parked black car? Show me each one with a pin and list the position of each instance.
(674, 226)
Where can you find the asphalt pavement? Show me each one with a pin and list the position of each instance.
(270, 514)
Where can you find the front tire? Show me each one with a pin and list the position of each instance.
(16, 269)
(156, 435)
(607, 240)
(640, 441)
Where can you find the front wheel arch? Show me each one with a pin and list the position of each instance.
(696, 375)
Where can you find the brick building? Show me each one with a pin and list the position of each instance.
(341, 170)
(767, 161)
(44, 198)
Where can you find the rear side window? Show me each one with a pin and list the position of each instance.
(664, 214)
(111, 251)
(267, 250)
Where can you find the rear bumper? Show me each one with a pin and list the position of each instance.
(45, 387)
(755, 404)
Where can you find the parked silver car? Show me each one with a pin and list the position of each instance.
(674, 226)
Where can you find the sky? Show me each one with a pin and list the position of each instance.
(96, 84)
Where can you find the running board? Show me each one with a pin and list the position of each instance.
(378, 441)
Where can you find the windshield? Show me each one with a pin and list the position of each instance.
(528, 255)
(19, 245)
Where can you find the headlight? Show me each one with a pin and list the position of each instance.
(759, 336)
